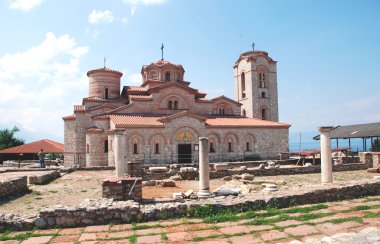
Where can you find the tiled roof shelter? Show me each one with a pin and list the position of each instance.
(48, 146)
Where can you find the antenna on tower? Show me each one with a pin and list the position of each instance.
(241, 43)
(253, 46)
(104, 62)
(162, 51)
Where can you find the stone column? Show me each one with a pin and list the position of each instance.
(204, 174)
(326, 160)
(121, 150)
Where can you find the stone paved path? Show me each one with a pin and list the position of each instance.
(349, 221)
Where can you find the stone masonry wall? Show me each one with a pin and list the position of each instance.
(13, 186)
(43, 178)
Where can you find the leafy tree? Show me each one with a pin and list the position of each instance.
(375, 146)
(8, 139)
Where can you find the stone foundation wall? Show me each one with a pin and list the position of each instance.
(104, 211)
(123, 189)
(258, 172)
(44, 178)
(12, 186)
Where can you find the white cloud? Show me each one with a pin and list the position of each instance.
(145, 2)
(124, 20)
(24, 5)
(134, 3)
(39, 85)
(98, 17)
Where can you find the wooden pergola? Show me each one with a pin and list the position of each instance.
(304, 154)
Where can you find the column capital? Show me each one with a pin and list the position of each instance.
(203, 138)
(325, 128)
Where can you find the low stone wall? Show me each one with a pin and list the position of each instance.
(12, 186)
(123, 189)
(44, 177)
(283, 170)
(104, 211)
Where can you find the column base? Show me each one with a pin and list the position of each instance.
(203, 194)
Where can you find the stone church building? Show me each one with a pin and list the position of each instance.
(162, 119)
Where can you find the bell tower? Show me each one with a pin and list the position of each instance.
(255, 83)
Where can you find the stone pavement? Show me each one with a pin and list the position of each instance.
(349, 221)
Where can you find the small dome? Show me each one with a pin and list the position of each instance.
(108, 70)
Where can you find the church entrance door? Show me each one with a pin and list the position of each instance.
(184, 153)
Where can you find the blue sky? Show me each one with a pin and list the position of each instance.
(327, 53)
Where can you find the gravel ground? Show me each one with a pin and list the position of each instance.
(71, 189)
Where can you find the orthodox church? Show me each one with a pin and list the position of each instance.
(164, 117)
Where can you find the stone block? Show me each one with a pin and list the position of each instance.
(157, 169)
(221, 166)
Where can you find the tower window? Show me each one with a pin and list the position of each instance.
(106, 146)
(135, 148)
(247, 148)
(212, 150)
(170, 105)
(106, 93)
(175, 104)
(230, 146)
(243, 85)
(261, 80)
(263, 94)
(157, 148)
(167, 76)
(263, 114)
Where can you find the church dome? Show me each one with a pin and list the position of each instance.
(162, 71)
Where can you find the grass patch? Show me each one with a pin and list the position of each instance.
(164, 237)
(144, 227)
(305, 209)
(372, 199)
(371, 215)
(338, 221)
(201, 238)
(21, 237)
(269, 221)
(133, 238)
(208, 228)
(36, 193)
(311, 216)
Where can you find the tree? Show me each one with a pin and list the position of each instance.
(375, 146)
(8, 139)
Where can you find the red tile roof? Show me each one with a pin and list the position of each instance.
(158, 121)
(69, 117)
(104, 70)
(243, 122)
(139, 97)
(137, 88)
(136, 121)
(48, 146)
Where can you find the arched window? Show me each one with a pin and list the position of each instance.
(175, 105)
(244, 113)
(157, 148)
(135, 148)
(170, 105)
(106, 146)
(263, 94)
(221, 110)
(106, 93)
(167, 76)
(247, 147)
(261, 80)
(243, 85)
(154, 76)
(212, 150)
(263, 113)
(230, 146)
